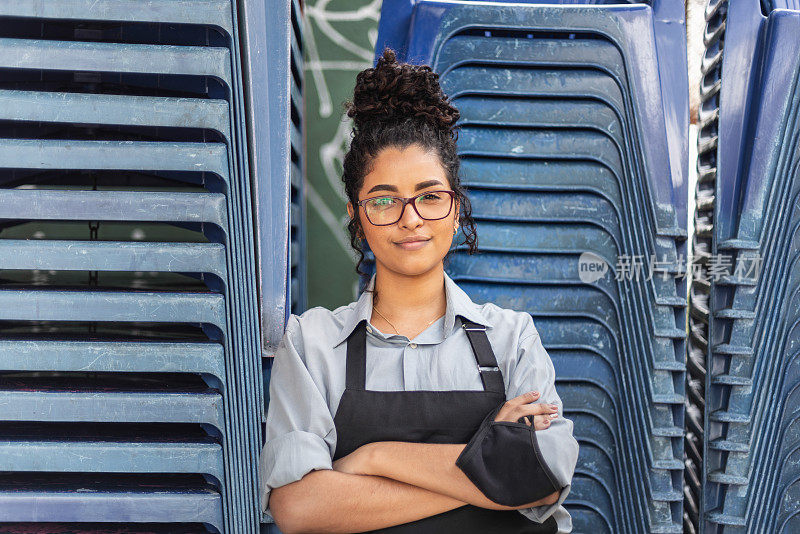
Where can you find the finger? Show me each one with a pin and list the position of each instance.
(541, 422)
(536, 409)
(525, 398)
(515, 413)
(528, 397)
(509, 412)
(527, 421)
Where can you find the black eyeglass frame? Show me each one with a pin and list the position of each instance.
(406, 201)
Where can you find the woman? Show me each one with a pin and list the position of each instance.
(406, 410)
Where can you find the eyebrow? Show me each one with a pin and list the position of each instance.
(390, 187)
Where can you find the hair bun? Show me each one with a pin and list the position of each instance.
(393, 91)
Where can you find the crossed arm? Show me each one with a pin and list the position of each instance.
(385, 483)
(388, 483)
(380, 485)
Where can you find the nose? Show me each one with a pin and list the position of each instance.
(409, 218)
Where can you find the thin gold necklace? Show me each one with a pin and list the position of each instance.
(390, 323)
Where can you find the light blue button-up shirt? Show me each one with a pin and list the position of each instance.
(308, 379)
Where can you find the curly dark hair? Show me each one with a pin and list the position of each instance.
(398, 105)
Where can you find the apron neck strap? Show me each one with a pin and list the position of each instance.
(487, 363)
(492, 378)
(357, 357)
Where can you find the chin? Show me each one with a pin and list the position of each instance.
(414, 268)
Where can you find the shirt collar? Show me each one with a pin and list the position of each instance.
(458, 304)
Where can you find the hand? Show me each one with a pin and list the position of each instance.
(355, 463)
(525, 406)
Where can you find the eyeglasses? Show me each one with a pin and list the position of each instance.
(430, 205)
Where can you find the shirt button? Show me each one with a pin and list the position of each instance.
(413, 345)
(369, 329)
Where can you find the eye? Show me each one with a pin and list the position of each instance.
(382, 202)
(430, 198)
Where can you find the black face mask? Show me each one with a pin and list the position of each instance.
(503, 460)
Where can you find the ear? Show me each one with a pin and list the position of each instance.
(351, 214)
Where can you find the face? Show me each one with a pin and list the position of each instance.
(407, 173)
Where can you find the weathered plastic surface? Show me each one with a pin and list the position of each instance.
(53, 455)
(272, 44)
(265, 47)
(134, 357)
(116, 110)
(38, 497)
(567, 147)
(751, 389)
(667, 22)
(215, 13)
(134, 124)
(274, 68)
(769, 5)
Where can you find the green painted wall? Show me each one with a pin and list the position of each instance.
(340, 38)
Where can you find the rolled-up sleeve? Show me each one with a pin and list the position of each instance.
(300, 433)
(534, 371)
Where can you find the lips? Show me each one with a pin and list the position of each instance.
(412, 239)
(412, 243)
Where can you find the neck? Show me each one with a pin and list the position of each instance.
(410, 299)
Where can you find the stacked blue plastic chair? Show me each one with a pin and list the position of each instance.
(573, 139)
(274, 77)
(752, 404)
(129, 344)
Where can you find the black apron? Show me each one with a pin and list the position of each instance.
(428, 417)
